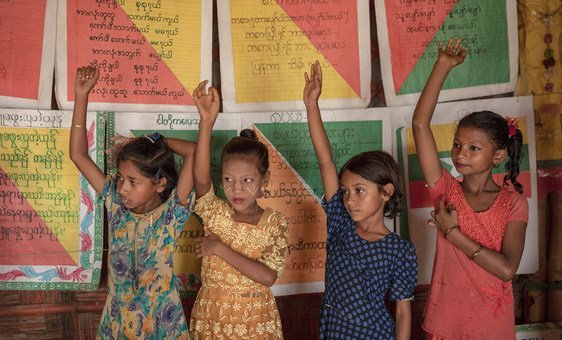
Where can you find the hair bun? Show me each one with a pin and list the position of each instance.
(249, 133)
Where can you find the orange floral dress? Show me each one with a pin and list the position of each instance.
(229, 305)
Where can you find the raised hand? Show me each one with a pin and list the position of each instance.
(207, 101)
(453, 54)
(313, 84)
(86, 78)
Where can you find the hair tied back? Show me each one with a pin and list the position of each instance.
(153, 137)
(512, 125)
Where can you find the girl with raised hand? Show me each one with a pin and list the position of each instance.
(147, 204)
(481, 224)
(365, 260)
(244, 246)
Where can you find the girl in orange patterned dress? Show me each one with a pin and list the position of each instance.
(482, 224)
(244, 248)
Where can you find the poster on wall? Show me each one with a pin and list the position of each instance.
(295, 185)
(151, 55)
(187, 267)
(267, 45)
(443, 125)
(409, 33)
(27, 53)
(51, 221)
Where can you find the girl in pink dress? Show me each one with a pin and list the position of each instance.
(482, 224)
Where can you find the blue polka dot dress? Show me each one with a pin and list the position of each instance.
(358, 275)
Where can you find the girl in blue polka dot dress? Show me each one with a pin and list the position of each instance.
(365, 260)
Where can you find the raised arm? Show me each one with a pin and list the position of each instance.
(86, 78)
(208, 104)
(452, 56)
(185, 149)
(320, 141)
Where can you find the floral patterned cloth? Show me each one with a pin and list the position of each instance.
(143, 302)
(229, 305)
(465, 301)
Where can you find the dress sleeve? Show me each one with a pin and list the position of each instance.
(440, 188)
(181, 212)
(405, 276)
(209, 206)
(519, 210)
(274, 255)
(109, 194)
(335, 212)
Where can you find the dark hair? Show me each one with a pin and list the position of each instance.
(153, 158)
(498, 129)
(379, 167)
(247, 145)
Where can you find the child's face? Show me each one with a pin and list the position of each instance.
(362, 198)
(473, 152)
(242, 182)
(138, 193)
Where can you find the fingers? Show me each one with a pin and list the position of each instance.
(318, 71)
(86, 73)
(306, 79)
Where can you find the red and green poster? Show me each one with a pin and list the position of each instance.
(27, 53)
(51, 222)
(267, 45)
(151, 55)
(409, 33)
(443, 126)
(295, 185)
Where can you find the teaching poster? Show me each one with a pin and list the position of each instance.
(267, 45)
(151, 54)
(443, 126)
(295, 185)
(51, 221)
(409, 33)
(27, 53)
(187, 267)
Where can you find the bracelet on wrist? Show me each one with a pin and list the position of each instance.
(446, 232)
(476, 252)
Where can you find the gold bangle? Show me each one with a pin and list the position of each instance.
(476, 252)
(456, 226)
(78, 126)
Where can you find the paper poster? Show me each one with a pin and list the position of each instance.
(151, 54)
(187, 267)
(409, 33)
(295, 185)
(51, 222)
(443, 126)
(267, 45)
(27, 53)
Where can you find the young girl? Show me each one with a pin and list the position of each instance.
(145, 213)
(480, 244)
(364, 258)
(244, 247)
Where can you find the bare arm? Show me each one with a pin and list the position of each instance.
(255, 270)
(502, 264)
(423, 137)
(320, 141)
(185, 149)
(208, 103)
(403, 316)
(86, 78)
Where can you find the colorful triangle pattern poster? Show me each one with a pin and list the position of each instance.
(295, 186)
(409, 33)
(27, 53)
(187, 268)
(51, 222)
(267, 45)
(151, 55)
(443, 126)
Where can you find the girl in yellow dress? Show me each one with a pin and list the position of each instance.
(244, 248)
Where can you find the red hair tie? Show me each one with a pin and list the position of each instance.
(512, 125)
